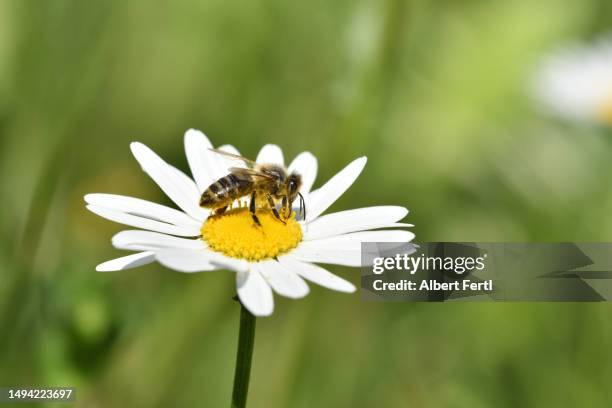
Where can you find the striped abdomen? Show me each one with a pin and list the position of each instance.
(225, 190)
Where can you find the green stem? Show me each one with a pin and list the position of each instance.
(246, 339)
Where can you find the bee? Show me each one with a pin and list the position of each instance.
(267, 184)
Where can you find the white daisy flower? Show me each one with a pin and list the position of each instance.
(274, 257)
(576, 83)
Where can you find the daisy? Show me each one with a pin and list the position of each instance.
(274, 257)
(576, 83)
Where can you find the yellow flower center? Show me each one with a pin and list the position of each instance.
(605, 111)
(235, 234)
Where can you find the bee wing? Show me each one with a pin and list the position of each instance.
(246, 161)
(241, 171)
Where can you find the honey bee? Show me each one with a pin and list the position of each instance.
(265, 183)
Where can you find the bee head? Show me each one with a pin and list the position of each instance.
(294, 182)
(293, 185)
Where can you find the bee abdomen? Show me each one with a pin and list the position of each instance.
(224, 191)
(208, 199)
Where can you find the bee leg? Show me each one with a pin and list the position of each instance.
(220, 211)
(274, 210)
(302, 206)
(252, 209)
(285, 207)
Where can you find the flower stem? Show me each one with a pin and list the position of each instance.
(246, 339)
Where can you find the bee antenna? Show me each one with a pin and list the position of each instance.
(302, 206)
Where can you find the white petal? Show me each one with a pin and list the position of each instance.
(224, 162)
(316, 274)
(147, 240)
(190, 260)
(353, 220)
(332, 257)
(320, 200)
(142, 208)
(196, 150)
(177, 186)
(127, 262)
(283, 281)
(345, 249)
(203, 213)
(305, 164)
(574, 82)
(255, 293)
(217, 165)
(144, 223)
(229, 149)
(356, 238)
(271, 153)
(185, 260)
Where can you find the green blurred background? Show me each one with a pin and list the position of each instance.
(433, 92)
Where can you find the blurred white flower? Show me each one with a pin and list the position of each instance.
(276, 257)
(575, 83)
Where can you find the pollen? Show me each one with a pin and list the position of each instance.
(236, 234)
